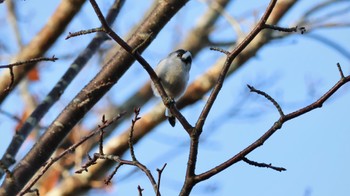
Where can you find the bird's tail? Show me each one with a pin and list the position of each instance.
(171, 118)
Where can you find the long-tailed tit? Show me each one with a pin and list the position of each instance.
(173, 72)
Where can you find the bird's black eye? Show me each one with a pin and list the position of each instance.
(180, 52)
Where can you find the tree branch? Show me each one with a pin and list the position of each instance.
(276, 126)
(135, 53)
(42, 42)
(72, 148)
(53, 96)
(192, 160)
(256, 164)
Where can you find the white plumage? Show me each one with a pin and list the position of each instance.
(173, 72)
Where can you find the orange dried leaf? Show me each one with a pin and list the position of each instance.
(33, 74)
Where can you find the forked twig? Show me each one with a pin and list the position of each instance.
(117, 159)
(69, 150)
(30, 61)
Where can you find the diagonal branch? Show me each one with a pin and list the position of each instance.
(42, 42)
(51, 98)
(233, 54)
(135, 53)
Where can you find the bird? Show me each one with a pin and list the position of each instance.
(173, 72)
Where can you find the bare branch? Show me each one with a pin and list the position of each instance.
(42, 42)
(84, 32)
(340, 71)
(133, 121)
(268, 97)
(34, 60)
(285, 29)
(31, 183)
(133, 162)
(230, 58)
(120, 162)
(109, 178)
(140, 190)
(91, 161)
(102, 131)
(276, 126)
(54, 95)
(160, 171)
(191, 165)
(30, 61)
(220, 50)
(166, 99)
(256, 164)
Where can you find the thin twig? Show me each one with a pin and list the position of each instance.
(133, 162)
(340, 71)
(120, 163)
(250, 162)
(101, 134)
(283, 29)
(34, 60)
(220, 50)
(30, 61)
(91, 161)
(140, 190)
(286, 29)
(268, 97)
(130, 140)
(109, 178)
(160, 171)
(84, 32)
